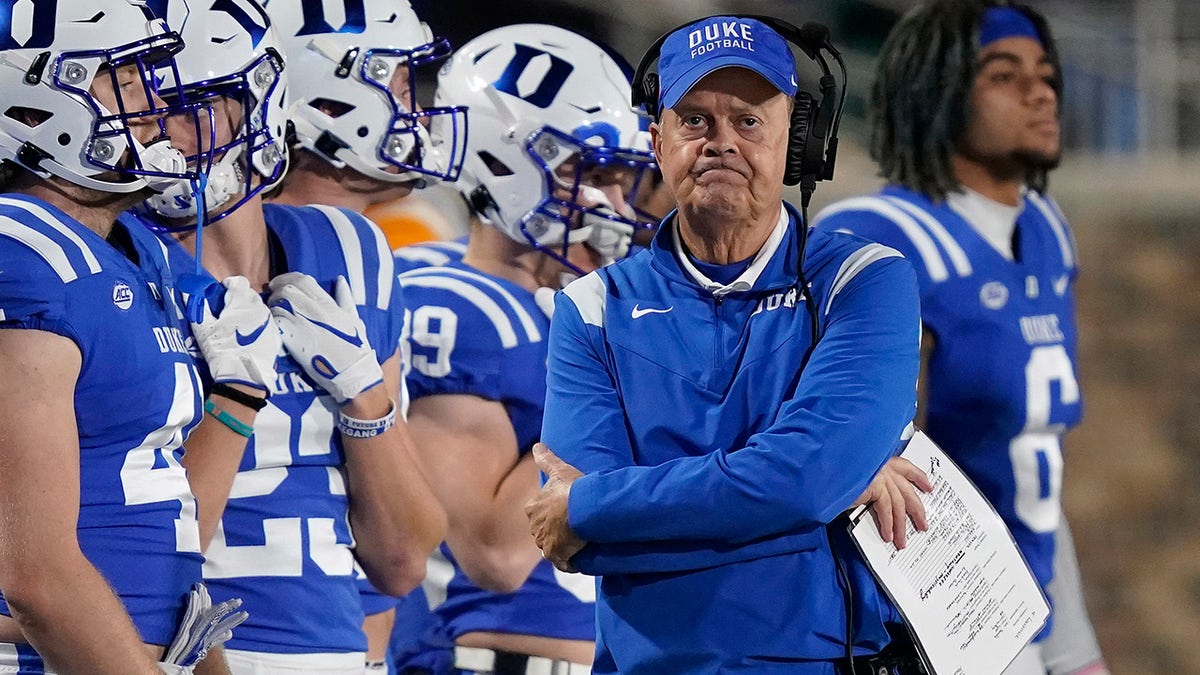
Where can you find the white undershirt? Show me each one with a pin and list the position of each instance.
(995, 222)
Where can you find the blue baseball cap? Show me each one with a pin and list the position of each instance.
(696, 50)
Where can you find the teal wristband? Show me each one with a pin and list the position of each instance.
(234, 424)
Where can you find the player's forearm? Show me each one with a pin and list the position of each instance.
(396, 519)
(496, 551)
(68, 613)
(212, 455)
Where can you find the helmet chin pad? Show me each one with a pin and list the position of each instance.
(179, 201)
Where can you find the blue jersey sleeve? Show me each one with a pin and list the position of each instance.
(856, 393)
(32, 291)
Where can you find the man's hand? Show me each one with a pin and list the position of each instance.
(326, 337)
(893, 499)
(241, 342)
(547, 511)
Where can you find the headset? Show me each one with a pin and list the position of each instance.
(812, 138)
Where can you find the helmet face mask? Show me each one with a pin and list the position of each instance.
(537, 146)
(353, 88)
(86, 85)
(572, 209)
(237, 73)
(405, 147)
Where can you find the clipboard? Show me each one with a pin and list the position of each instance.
(964, 589)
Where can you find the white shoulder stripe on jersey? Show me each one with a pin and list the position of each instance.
(1056, 224)
(958, 257)
(59, 226)
(490, 308)
(386, 274)
(590, 297)
(166, 255)
(2, 315)
(422, 254)
(49, 250)
(531, 329)
(930, 256)
(351, 248)
(9, 658)
(857, 262)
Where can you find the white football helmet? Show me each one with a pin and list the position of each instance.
(344, 108)
(537, 96)
(231, 52)
(51, 54)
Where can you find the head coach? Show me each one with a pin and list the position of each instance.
(721, 397)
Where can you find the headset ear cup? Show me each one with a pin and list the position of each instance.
(650, 92)
(798, 138)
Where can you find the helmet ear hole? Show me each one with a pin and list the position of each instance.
(494, 165)
(334, 109)
(30, 117)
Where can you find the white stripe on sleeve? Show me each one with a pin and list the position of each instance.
(857, 262)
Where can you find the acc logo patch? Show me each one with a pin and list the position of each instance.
(993, 295)
(122, 295)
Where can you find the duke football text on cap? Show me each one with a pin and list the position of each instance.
(717, 42)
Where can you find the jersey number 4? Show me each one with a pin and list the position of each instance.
(152, 472)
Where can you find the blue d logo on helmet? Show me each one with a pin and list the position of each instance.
(717, 42)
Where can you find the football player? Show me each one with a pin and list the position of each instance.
(362, 139)
(101, 556)
(549, 173)
(329, 453)
(965, 127)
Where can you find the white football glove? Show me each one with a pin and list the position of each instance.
(203, 627)
(326, 337)
(241, 342)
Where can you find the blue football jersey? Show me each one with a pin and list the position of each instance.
(137, 397)
(472, 333)
(1002, 375)
(284, 543)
